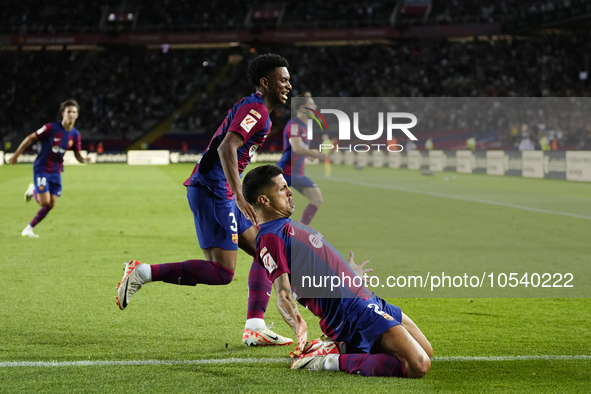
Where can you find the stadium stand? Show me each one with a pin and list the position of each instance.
(184, 15)
(462, 11)
(180, 15)
(29, 16)
(125, 91)
(29, 81)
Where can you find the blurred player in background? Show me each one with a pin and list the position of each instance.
(53, 141)
(295, 150)
(385, 340)
(326, 150)
(471, 143)
(223, 219)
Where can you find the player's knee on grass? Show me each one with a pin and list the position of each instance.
(400, 343)
(418, 367)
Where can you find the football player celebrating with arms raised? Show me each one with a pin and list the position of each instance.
(385, 342)
(223, 219)
(295, 150)
(54, 139)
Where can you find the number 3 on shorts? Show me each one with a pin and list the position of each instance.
(234, 226)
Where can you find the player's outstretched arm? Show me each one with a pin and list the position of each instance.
(289, 309)
(80, 158)
(21, 148)
(227, 152)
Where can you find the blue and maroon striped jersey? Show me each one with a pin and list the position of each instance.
(291, 162)
(287, 246)
(249, 118)
(54, 140)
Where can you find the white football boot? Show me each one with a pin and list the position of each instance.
(29, 192)
(28, 232)
(264, 337)
(129, 285)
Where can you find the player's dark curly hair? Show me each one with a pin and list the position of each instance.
(258, 180)
(262, 65)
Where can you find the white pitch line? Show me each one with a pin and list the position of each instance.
(92, 363)
(450, 196)
(103, 363)
(512, 358)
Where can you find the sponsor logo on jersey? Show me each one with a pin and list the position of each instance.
(235, 238)
(291, 231)
(57, 139)
(252, 150)
(294, 130)
(269, 263)
(57, 149)
(316, 240)
(263, 251)
(247, 123)
(255, 113)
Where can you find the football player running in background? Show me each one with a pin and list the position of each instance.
(295, 150)
(53, 141)
(385, 341)
(223, 219)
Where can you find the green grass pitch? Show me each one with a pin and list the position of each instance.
(57, 292)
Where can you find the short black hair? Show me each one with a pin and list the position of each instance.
(69, 103)
(262, 65)
(258, 180)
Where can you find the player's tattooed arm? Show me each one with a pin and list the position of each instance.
(288, 308)
(227, 152)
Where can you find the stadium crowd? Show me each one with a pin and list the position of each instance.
(457, 11)
(190, 15)
(517, 68)
(30, 16)
(175, 15)
(122, 90)
(28, 79)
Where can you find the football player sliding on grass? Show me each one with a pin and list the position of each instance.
(368, 336)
